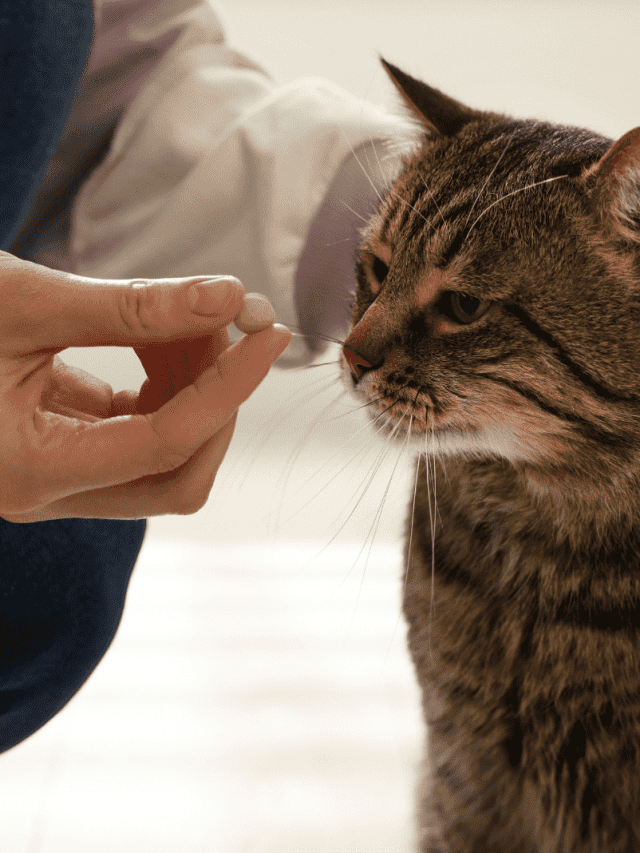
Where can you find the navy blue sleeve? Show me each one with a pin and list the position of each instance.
(62, 583)
(44, 47)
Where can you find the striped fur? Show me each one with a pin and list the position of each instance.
(523, 605)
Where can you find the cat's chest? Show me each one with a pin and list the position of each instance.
(510, 621)
(472, 533)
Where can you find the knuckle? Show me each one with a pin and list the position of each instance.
(185, 488)
(189, 498)
(195, 500)
(179, 499)
(166, 458)
(136, 304)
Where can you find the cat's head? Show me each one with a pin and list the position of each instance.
(497, 310)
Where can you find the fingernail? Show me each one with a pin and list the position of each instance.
(214, 296)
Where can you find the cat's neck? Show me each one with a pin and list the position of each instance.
(560, 510)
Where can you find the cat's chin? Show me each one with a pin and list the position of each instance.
(488, 442)
(485, 443)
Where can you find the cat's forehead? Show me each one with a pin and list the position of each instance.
(501, 146)
(491, 210)
(485, 178)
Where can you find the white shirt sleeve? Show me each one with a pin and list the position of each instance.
(213, 167)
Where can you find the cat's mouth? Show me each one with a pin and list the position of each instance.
(414, 417)
(402, 416)
(415, 426)
(418, 428)
(400, 410)
(403, 411)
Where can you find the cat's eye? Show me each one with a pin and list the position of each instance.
(379, 269)
(462, 307)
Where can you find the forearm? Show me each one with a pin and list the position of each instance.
(213, 167)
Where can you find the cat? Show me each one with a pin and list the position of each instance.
(496, 331)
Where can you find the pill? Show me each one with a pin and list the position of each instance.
(256, 313)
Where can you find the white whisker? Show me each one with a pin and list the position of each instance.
(366, 174)
(355, 213)
(316, 364)
(376, 523)
(372, 472)
(482, 188)
(383, 175)
(413, 508)
(433, 197)
(367, 427)
(433, 523)
(322, 488)
(363, 448)
(404, 201)
(520, 190)
(297, 450)
(435, 457)
(243, 465)
(337, 242)
(408, 557)
(428, 466)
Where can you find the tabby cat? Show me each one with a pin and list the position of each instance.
(496, 330)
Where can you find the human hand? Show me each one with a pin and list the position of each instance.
(70, 447)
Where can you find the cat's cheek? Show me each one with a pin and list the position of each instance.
(442, 327)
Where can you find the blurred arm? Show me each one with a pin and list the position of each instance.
(199, 163)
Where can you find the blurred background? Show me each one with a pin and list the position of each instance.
(258, 697)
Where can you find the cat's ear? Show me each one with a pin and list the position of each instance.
(615, 185)
(440, 113)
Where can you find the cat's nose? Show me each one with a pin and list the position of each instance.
(357, 364)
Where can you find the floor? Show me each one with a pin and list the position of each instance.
(233, 713)
(258, 696)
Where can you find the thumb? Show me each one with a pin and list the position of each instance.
(51, 309)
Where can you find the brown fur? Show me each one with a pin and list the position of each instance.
(523, 596)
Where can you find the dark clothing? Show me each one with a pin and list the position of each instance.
(62, 590)
(62, 583)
